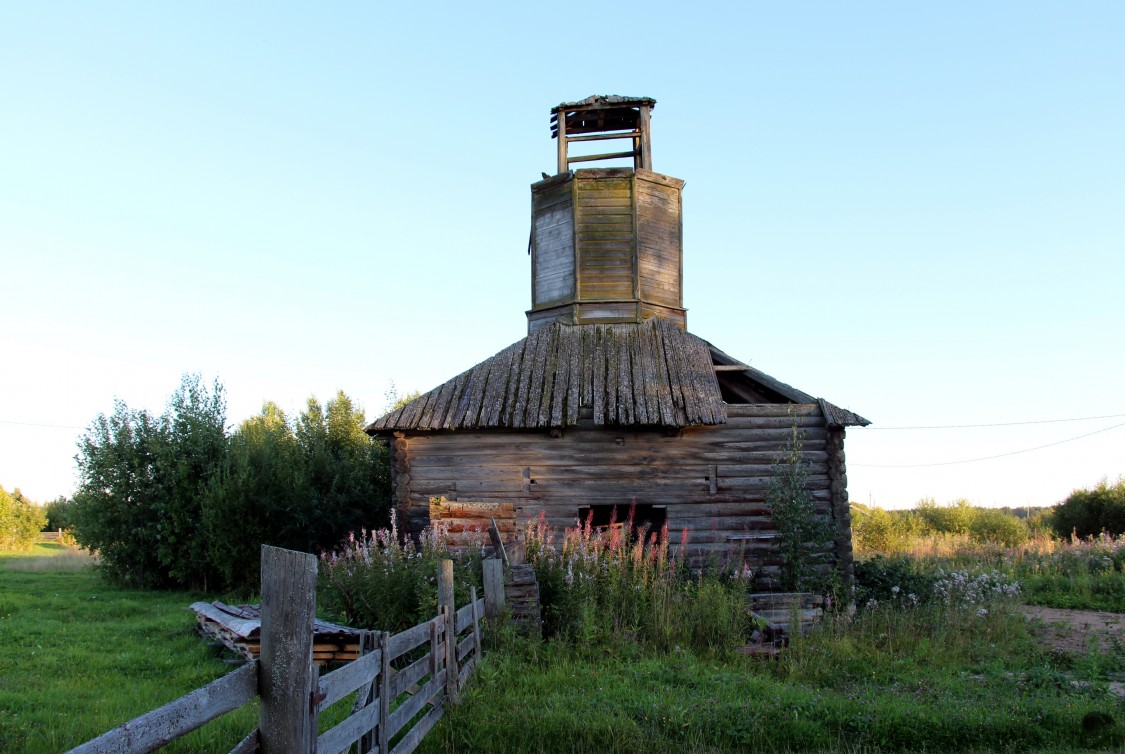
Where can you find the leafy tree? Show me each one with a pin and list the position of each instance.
(20, 521)
(302, 485)
(260, 497)
(139, 502)
(1088, 513)
(60, 514)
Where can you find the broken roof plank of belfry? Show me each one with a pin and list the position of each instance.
(629, 375)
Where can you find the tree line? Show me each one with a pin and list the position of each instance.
(177, 500)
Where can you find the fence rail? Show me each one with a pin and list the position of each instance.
(292, 696)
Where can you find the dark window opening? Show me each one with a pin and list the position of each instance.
(648, 518)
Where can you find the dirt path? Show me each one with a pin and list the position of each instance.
(1070, 631)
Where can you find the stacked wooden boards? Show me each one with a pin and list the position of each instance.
(238, 628)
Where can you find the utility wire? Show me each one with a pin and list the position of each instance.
(1004, 424)
(985, 458)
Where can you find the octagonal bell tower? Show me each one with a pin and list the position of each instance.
(606, 243)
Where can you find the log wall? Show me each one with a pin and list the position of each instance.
(711, 481)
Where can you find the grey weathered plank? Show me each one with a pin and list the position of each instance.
(248, 745)
(334, 740)
(344, 680)
(410, 741)
(165, 724)
(288, 613)
(404, 641)
(411, 674)
(406, 711)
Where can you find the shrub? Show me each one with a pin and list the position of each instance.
(1088, 513)
(20, 521)
(803, 535)
(996, 527)
(143, 479)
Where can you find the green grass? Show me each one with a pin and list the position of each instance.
(80, 657)
(889, 682)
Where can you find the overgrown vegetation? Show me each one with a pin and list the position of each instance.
(803, 536)
(20, 521)
(380, 581)
(1088, 513)
(174, 501)
(620, 586)
(1065, 572)
(933, 678)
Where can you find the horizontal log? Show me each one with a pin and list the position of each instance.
(155, 729)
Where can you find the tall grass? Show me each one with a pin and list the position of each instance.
(45, 557)
(379, 580)
(1055, 572)
(605, 587)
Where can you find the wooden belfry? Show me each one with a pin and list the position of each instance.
(600, 118)
(606, 243)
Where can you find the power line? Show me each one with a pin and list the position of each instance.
(985, 458)
(1004, 424)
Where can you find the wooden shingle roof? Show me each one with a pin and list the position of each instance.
(652, 373)
(647, 374)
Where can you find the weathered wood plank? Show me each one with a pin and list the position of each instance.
(404, 641)
(342, 735)
(155, 729)
(339, 683)
(410, 741)
(288, 678)
(406, 711)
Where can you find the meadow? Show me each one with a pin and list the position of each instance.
(939, 673)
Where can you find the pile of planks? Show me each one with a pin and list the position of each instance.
(521, 595)
(238, 628)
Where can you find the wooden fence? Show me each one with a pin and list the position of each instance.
(405, 702)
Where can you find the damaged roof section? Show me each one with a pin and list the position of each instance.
(647, 374)
(653, 373)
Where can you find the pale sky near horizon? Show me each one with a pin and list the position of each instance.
(916, 212)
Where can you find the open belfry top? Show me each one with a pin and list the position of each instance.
(606, 250)
(538, 426)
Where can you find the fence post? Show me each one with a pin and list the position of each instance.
(287, 715)
(493, 587)
(476, 624)
(447, 601)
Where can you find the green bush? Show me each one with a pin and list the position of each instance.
(996, 527)
(143, 483)
(301, 485)
(1088, 513)
(171, 500)
(20, 521)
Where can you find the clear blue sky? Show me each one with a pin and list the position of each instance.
(915, 212)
